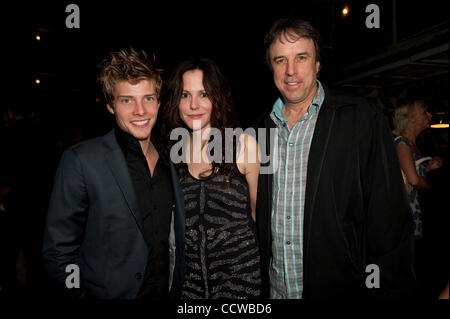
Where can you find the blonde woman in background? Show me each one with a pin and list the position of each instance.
(410, 120)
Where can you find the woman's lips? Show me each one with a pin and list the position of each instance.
(195, 116)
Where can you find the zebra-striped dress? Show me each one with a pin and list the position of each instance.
(222, 256)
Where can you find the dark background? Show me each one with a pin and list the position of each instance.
(406, 58)
(230, 33)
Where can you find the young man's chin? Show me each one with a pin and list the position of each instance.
(141, 137)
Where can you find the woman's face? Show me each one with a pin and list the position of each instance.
(421, 118)
(195, 106)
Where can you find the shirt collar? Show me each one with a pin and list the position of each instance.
(128, 143)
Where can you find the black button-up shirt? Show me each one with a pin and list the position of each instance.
(155, 199)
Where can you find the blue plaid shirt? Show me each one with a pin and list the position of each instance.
(288, 201)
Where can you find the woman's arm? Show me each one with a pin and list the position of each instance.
(248, 162)
(409, 168)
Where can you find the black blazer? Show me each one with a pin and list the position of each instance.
(94, 222)
(356, 209)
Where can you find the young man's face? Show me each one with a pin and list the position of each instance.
(294, 69)
(135, 107)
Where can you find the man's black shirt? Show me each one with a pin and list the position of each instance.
(154, 197)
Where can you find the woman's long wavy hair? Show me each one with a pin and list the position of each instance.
(222, 113)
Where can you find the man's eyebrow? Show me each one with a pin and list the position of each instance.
(300, 53)
(132, 96)
(277, 57)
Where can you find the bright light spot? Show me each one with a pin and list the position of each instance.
(439, 121)
(37, 81)
(439, 125)
(38, 37)
(345, 11)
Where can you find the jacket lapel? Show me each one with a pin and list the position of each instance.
(179, 222)
(117, 164)
(317, 153)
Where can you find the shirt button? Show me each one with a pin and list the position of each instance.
(288, 242)
(138, 276)
(288, 217)
(290, 144)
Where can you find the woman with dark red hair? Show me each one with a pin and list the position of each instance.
(219, 178)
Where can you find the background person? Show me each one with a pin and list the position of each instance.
(410, 120)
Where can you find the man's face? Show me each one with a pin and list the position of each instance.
(294, 68)
(135, 108)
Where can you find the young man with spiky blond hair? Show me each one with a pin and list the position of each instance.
(115, 226)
